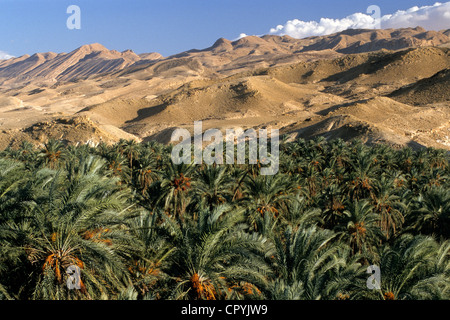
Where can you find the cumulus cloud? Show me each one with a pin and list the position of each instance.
(242, 35)
(434, 17)
(4, 55)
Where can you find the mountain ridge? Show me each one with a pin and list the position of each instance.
(224, 55)
(84, 61)
(376, 85)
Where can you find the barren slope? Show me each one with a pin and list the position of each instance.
(426, 91)
(80, 63)
(305, 87)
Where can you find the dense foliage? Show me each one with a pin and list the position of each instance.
(140, 227)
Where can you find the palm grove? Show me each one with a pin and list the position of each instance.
(140, 227)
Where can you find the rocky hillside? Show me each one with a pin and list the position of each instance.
(377, 85)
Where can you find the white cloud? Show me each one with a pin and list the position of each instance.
(4, 55)
(434, 17)
(242, 35)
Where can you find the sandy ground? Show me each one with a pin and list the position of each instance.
(398, 97)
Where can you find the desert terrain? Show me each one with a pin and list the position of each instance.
(389, 86)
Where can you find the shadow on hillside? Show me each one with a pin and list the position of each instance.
(326, 111)
(147, 112)
(374, 63)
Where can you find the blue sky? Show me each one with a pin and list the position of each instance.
(164, 26)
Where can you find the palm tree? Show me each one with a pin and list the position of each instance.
(312, 178)
(117, 163)
(214, 257)
(76, 217)
(339, 154)
(151, 258)
(13, 177)
(171, 190)
(147, 171)
(388, 205)
(386, 157)
(213, 186)
(309, 261)
(431, 213)
(438, 158)
(280, 289)
(333, 205)
(129, 149)
(435, 177)
(405, 158)
(13, 182)
(72, 153)
(266, 195)
(359, 227)
(28, 154)
(414, 179)
(238, 174)
(414, 267)
(135, 226)
(52, 152)
(160, 152)
(362, 176)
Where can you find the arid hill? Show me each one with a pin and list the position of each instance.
(80, 63)
(426, 91)
(227, 57)
(224, 57)
(377, 85)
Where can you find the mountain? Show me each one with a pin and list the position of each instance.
(83, 62)
(430, 90)
(377, 85)
(224, 57)
(350, 96)
(358, 41)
